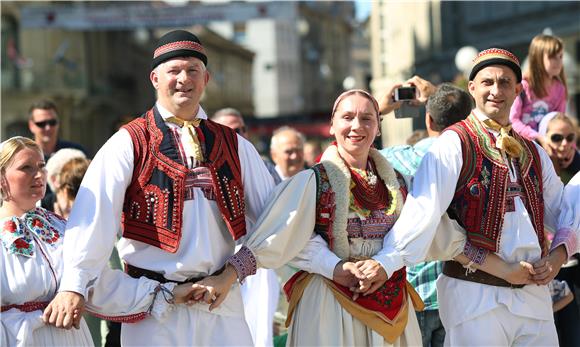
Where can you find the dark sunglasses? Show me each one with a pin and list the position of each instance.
(44, 123)
(559, 138)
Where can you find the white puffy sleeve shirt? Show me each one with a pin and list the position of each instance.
(95, 218)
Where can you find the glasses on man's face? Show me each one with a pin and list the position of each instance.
(557, 138)
(44, 123)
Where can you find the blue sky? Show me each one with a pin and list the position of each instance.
(363, 8)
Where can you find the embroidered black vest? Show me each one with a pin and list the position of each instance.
(153, 206)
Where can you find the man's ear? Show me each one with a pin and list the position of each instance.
(428, 121)
(519, 88)
(154, 78)
(207, 77)
(471, 87)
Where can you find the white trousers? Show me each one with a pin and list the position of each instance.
(190, 326)
(499, 327)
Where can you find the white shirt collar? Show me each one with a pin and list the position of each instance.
(166, 114)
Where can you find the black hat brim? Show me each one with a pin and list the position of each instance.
(177, 54)
(496, 61)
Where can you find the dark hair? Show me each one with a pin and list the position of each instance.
(42, 105)
(448, 105)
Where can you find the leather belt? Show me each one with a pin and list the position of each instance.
(456, 270)
(137, 272)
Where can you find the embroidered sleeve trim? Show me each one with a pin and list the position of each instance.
(244, 262)
(475, 254)
(567, 238)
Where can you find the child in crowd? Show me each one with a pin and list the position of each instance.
(544, 87)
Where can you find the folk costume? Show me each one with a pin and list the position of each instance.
(32, 250)
(185, 191)
(320, 216)
(32, 266)
(502, 189)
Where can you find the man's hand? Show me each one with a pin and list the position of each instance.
(387, 103)
(347, 274)
(519, 273)
(566, 157)
(548, 267)
(375, 275)
(65, 310)
(424, 88)
(217, 287)
(188, 293)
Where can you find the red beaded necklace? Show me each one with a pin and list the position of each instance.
(369, 196)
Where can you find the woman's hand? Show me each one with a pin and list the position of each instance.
(548, 267)
(375, 276)
(347, 274)
(217, 287)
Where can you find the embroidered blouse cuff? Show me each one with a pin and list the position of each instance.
(475, 254)
(162, 303)
(566, 237)
(244, 262)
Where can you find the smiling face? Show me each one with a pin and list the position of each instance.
(24, 179)
(494, 89)
(355, 125)
(180, 83)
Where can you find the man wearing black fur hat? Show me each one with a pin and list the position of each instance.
(181, 187)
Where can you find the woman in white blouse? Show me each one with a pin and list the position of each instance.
(329, 221)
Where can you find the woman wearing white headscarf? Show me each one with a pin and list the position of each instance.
(561, 134)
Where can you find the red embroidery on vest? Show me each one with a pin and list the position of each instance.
(389, 297)
(480, 200)
(153, 211)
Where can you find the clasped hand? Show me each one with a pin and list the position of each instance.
(363, 277)
(66, 309)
